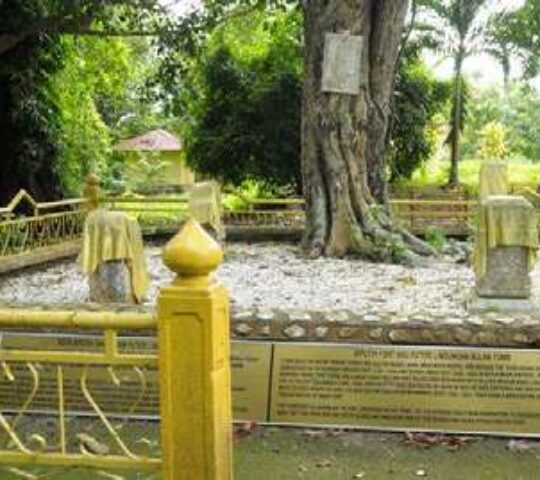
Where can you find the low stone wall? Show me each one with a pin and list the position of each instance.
(345, 326)
(491, 329)
(39, 256)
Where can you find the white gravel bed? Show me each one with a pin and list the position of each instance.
(278, 276)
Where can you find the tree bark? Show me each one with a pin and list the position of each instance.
(344, 136)
(453, 180)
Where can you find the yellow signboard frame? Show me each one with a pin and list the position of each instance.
(492, 391)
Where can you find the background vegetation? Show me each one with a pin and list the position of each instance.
(231, 90)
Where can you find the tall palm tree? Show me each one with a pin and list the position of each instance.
(459, 29)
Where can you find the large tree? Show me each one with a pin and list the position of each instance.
(344, 136)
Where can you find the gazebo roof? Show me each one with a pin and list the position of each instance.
(155, 140)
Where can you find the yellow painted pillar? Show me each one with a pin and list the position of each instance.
(194, 368)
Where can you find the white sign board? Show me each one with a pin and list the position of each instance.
(342, 63)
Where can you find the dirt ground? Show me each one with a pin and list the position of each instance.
(272, 454)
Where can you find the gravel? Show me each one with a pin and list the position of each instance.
(278, 276)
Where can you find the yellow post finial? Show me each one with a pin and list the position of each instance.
(92, 179)
(192, 254)
(194, 366)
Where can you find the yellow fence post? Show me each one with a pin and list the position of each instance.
(91, 191)
(194, 369)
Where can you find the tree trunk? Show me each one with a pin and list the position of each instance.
(453, 180)
(344, 136)
(505, 63)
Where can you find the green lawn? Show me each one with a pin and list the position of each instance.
(521, 172)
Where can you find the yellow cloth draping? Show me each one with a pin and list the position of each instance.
(493, 179)
(114, 236)
(504, 221)
(205, 205)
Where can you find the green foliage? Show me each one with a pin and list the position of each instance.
(520, 172)
(418, 98)
(93, 92)
(518, 111)
(492, 143)
(29, 118)
(461, 32)
(247, 116)
(150, 170)
(59, 98)
(435, 237)
(234, 203)
(519, 29)
(500, 43)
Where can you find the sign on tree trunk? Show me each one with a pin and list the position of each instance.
(341, 63)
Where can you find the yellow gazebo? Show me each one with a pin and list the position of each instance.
(166, 147)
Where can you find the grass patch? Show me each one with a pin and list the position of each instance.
(520, 172)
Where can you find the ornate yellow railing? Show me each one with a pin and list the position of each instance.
(50, 230)
(32, 231)
(266, 219)
(21, 235)
(64, 441)
(154, 214)
(453, 217)
(104, 378)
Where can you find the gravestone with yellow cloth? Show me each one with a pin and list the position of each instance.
(493, 179)
(205, 207)
(112, 254)
(505, 245)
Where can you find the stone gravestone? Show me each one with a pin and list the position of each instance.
(493, 179)
(112, 257)
(205, 207)
(504, 254)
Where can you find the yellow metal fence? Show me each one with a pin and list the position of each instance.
(451, 216)
(193, 438)
(32, 232)
(154, 214)
(61, 441)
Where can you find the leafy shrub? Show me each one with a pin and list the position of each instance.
(492, 143)
(435, 237)
(418, 97)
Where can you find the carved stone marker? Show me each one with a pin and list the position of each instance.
(111, 283)
(505, 248)
(493, 179)
(205, 207)
(112, 257)
(342, 63)
(507, 274)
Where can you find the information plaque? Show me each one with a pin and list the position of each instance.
(342, 63)
(251, 367)
(407, 388)
(453, 389)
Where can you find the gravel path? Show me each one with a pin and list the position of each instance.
(277, 276)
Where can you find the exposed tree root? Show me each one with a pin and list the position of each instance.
(378, 240)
